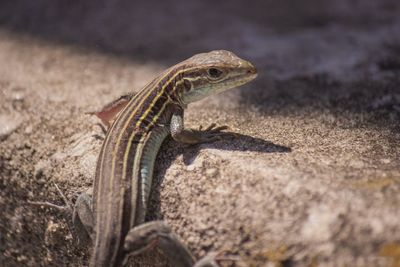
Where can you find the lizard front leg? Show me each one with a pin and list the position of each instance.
(192, 136)
(81, 216)
(149, 234)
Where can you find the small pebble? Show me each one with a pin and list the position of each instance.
(29, 129)
(212, 172)
(18, 94)
(41, 168)
(190, 167)
(22, 258)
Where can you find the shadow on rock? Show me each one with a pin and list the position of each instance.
(235, 142)
(171, 150)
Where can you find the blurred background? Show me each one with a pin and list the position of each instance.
(338, 41)
(311, 31)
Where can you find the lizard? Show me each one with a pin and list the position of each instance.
(137, 126)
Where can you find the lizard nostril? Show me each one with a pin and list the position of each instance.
(252, 71)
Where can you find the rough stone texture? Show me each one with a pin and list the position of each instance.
(312, 177)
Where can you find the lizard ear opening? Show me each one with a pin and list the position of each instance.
(110, 111)
(187, 85)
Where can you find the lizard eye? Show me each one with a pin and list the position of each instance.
(214, 73)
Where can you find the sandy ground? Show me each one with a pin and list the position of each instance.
(311, 179)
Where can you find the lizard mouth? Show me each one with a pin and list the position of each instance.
(241, 79)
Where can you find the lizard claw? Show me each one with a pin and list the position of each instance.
(212, 133)
(213, 128)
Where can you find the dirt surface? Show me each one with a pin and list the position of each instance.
(311, 179)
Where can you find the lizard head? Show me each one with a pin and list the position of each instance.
(214, 72)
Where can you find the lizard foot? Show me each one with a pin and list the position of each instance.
(211, 133)
(79, 219)
(66, 208)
